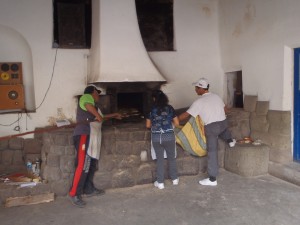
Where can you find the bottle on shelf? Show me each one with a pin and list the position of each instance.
(29, 166)
(38, 166)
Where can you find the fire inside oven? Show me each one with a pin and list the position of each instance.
(131, 106)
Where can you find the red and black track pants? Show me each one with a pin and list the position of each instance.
(82, 164)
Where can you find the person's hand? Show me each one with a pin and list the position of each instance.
(227, 110)
(118, 116)
(98, 118)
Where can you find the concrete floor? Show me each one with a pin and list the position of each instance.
(237, 200)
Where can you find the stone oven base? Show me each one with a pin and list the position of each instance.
(125, 161)
(120, 164)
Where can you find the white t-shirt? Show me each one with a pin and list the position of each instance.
(209, 107)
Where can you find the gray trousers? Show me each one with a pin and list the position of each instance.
(161, 142)
(212, 132)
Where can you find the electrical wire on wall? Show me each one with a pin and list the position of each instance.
(17, 121)
(19, 116)
(46, 93)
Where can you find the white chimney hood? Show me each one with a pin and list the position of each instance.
(118, 53)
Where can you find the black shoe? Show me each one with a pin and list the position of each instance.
(95, 192)
(77, 201)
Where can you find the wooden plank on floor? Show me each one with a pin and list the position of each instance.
(29, 200)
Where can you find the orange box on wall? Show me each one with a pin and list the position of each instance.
(12, 97)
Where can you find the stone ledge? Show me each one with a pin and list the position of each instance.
(247, 160)
(289, 172)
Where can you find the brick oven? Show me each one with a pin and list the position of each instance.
(130, 98)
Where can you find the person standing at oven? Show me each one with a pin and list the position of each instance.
(211, 109)
(161, 120)
(87, 141)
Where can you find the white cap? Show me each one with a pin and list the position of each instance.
(90, 87)
(202, 82)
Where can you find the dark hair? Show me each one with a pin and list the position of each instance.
(90, 89)
(160, 99)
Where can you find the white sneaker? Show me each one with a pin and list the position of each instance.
(207, 182)
(176, 181)
(159, 185)
(232, 144)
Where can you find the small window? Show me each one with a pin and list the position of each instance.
(72, 24)
(155, 19)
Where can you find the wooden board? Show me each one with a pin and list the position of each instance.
(29, 200)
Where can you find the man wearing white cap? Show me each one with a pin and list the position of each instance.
(211, 109)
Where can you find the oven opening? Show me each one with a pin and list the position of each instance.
(131, 105)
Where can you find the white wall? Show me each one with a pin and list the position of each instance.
(15, 48)
(32, 20)
(197, 52)
(255, 37)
